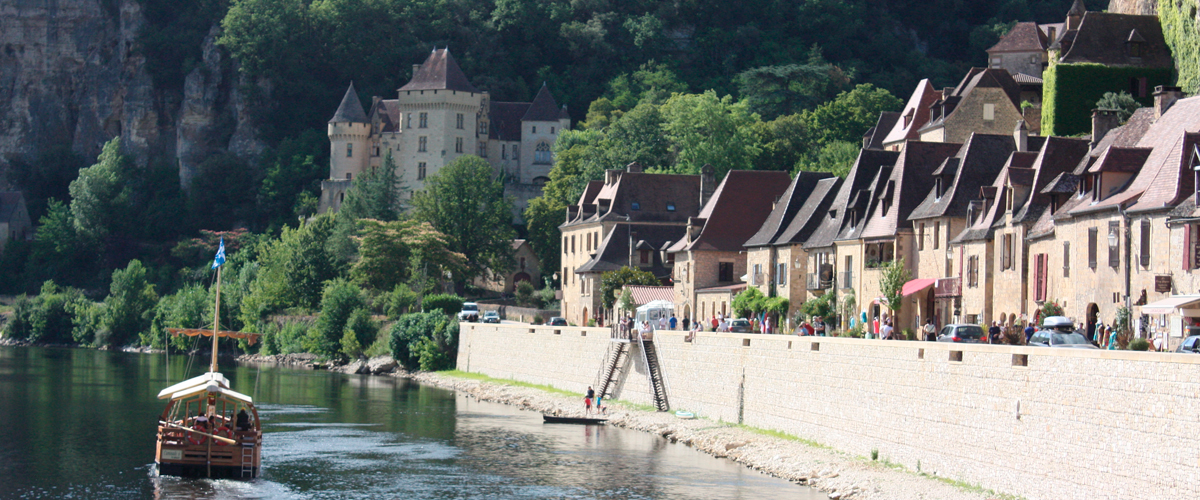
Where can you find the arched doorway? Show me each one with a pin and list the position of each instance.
(584, 320)
(1093, 313)
(519, 277)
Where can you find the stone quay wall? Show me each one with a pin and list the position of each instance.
(1036, 422)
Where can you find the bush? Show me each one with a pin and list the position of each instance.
(1139, 345)
(538, 320)
(340, 300)
(20, 324)
(360, 333)
(428, 341)
(190, 307)
(526, 297)
(448, 303)
(128, 307)
(400, 301)
(290, 338)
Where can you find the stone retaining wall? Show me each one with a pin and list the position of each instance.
(1037, 422)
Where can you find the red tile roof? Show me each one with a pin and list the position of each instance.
(646, 294)
(1159, 180)
(1023, 37)
(738, 208)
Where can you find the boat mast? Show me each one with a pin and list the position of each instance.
(216, 322)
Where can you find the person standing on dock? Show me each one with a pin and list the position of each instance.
(587, 401)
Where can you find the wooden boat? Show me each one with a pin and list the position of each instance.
(550, 419)
(207, 428)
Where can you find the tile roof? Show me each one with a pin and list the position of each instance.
(738, 208)
(1064, 183)
(651, 193)
(917, 109)
(904, 188)
(874, 138)
(643, 294)
(975, 78)
(440, 72)
(984, 224)
(1058, 155)
(1114, 159)
(505, 120)
(613, 252)
(10, 201)
(866, 168)
(1023, 37)
(980, 159)
(389, 114)
(810, 215)
(1160, 178)
(350, 110)
(543, 108)
(1022, 78)
(1102, 39)
(793, 198)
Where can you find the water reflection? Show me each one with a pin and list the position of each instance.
(81, 425)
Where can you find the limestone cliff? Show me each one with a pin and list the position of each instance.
(1140, 7)
(71, 72)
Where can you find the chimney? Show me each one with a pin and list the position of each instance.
(611, 175)
(1103, 120)
(634, 168)
(415, 68)
(708, 184)
(1164, 98)
(947, 92)
(1021, 136)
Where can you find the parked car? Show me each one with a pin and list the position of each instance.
(491, 317)
(1190, 344)
(966, 333)
(557, 321)
(739, 325)
(1059, 331)
(469, 312)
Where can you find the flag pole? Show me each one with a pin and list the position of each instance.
(216, 322)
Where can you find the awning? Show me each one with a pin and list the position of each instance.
(914, 286)
(1170, 305)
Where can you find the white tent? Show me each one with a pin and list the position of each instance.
(653, 310)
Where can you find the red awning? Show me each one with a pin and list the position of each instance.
(914, 286)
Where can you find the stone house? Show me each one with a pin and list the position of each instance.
(711, 253)
(526, 267)
(437, 117)
(15, 224)
(879, 230)
(627, 219)
(986, 101)
(1021, 51)
(943, 215)
(777, 262)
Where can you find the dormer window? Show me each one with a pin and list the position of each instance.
(937, 187)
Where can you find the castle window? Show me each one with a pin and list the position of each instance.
(458, 144)
(516, 151)
(483, 150)
(460, 121)
(424, 120)
(408, 122)
(989, 112)
(349, 176)
(421, 171)
(483, 128)
(503, 151)
(349, 150)
(422, 143)
(542, 153)
(551, 130)
(535, 129)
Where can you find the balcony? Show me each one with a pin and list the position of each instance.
(846, 279)
(946, 288)
(814, 282)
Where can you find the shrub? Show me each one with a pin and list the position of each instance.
(20, 325)
(428, 341)
(526, 296)
(128, 307)
(448, 303)
(290, 337)
(340, 300)
(400, 301)
(1139, 345)
(538, 320)
(360, 333)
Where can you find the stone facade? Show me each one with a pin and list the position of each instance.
(980, 414)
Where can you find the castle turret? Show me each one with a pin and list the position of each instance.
(540, 127)
(349, 133)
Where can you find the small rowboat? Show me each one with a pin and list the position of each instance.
(549, 419)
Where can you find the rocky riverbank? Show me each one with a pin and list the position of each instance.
(840, 475)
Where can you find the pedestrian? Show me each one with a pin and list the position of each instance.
(994, 333)
(1112, 339)
(875, 327)
(686, 323)
(715, 323)
(662, 323)
(766, 324)
(885, 331)
(930, 330)
(587, 400)
(819, 327)
(673, 322)
(1029, 331)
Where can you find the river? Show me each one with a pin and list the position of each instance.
(80, 424)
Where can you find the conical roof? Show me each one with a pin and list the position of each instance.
(351, 110)
(440, 72)
(1077, 9)
(543, 108)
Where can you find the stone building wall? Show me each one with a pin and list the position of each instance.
(1001, 417)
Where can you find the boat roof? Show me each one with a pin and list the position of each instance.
(202, 381)
(229, 393)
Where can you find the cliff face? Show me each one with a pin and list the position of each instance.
(70, 72)
(1140, 7)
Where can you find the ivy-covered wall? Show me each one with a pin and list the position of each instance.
(1182, 31)
(1070, 92)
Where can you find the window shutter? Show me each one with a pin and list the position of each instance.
(1187, 247)
(1145, 257)
(1092, 233)
(1066, 259)
(1114, 251)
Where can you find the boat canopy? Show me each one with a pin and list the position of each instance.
(201, 381)
(229, 393)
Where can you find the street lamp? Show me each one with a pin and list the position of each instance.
(1113, 239)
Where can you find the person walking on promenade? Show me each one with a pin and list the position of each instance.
(930, 330)
(587, 400)
(1029, 331)
(819, 327)
(672, 322)
(1112, 339)
(994, 333)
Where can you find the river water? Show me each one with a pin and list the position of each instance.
(79, 424)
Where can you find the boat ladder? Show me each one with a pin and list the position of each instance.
(248, 460)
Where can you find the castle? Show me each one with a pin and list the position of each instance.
(437, 117)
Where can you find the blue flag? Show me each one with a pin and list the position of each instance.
(220, 259)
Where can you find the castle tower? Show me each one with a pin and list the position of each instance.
(540, 127)
(440, 112)
(349, 133)
(349, 138)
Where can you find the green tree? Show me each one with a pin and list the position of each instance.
(292, 174)
(188, 307)
(706, 129)
(823, 307)
(340, 300)
(466, 204)
(612, 281)
(427, 341)
(401, 301)
(891, 284)
(786, 141)
(851, 114)
(836, 158)
(375, 194)
(1122, 102)
(748, 303)
(360, 333)
(773, 91)
(448, 303)
(129, 306)
(291, 270)
(99, 195)
(386, 248)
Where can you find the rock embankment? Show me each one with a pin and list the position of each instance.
(840, 475)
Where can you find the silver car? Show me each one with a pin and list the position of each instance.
(1059, 331)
